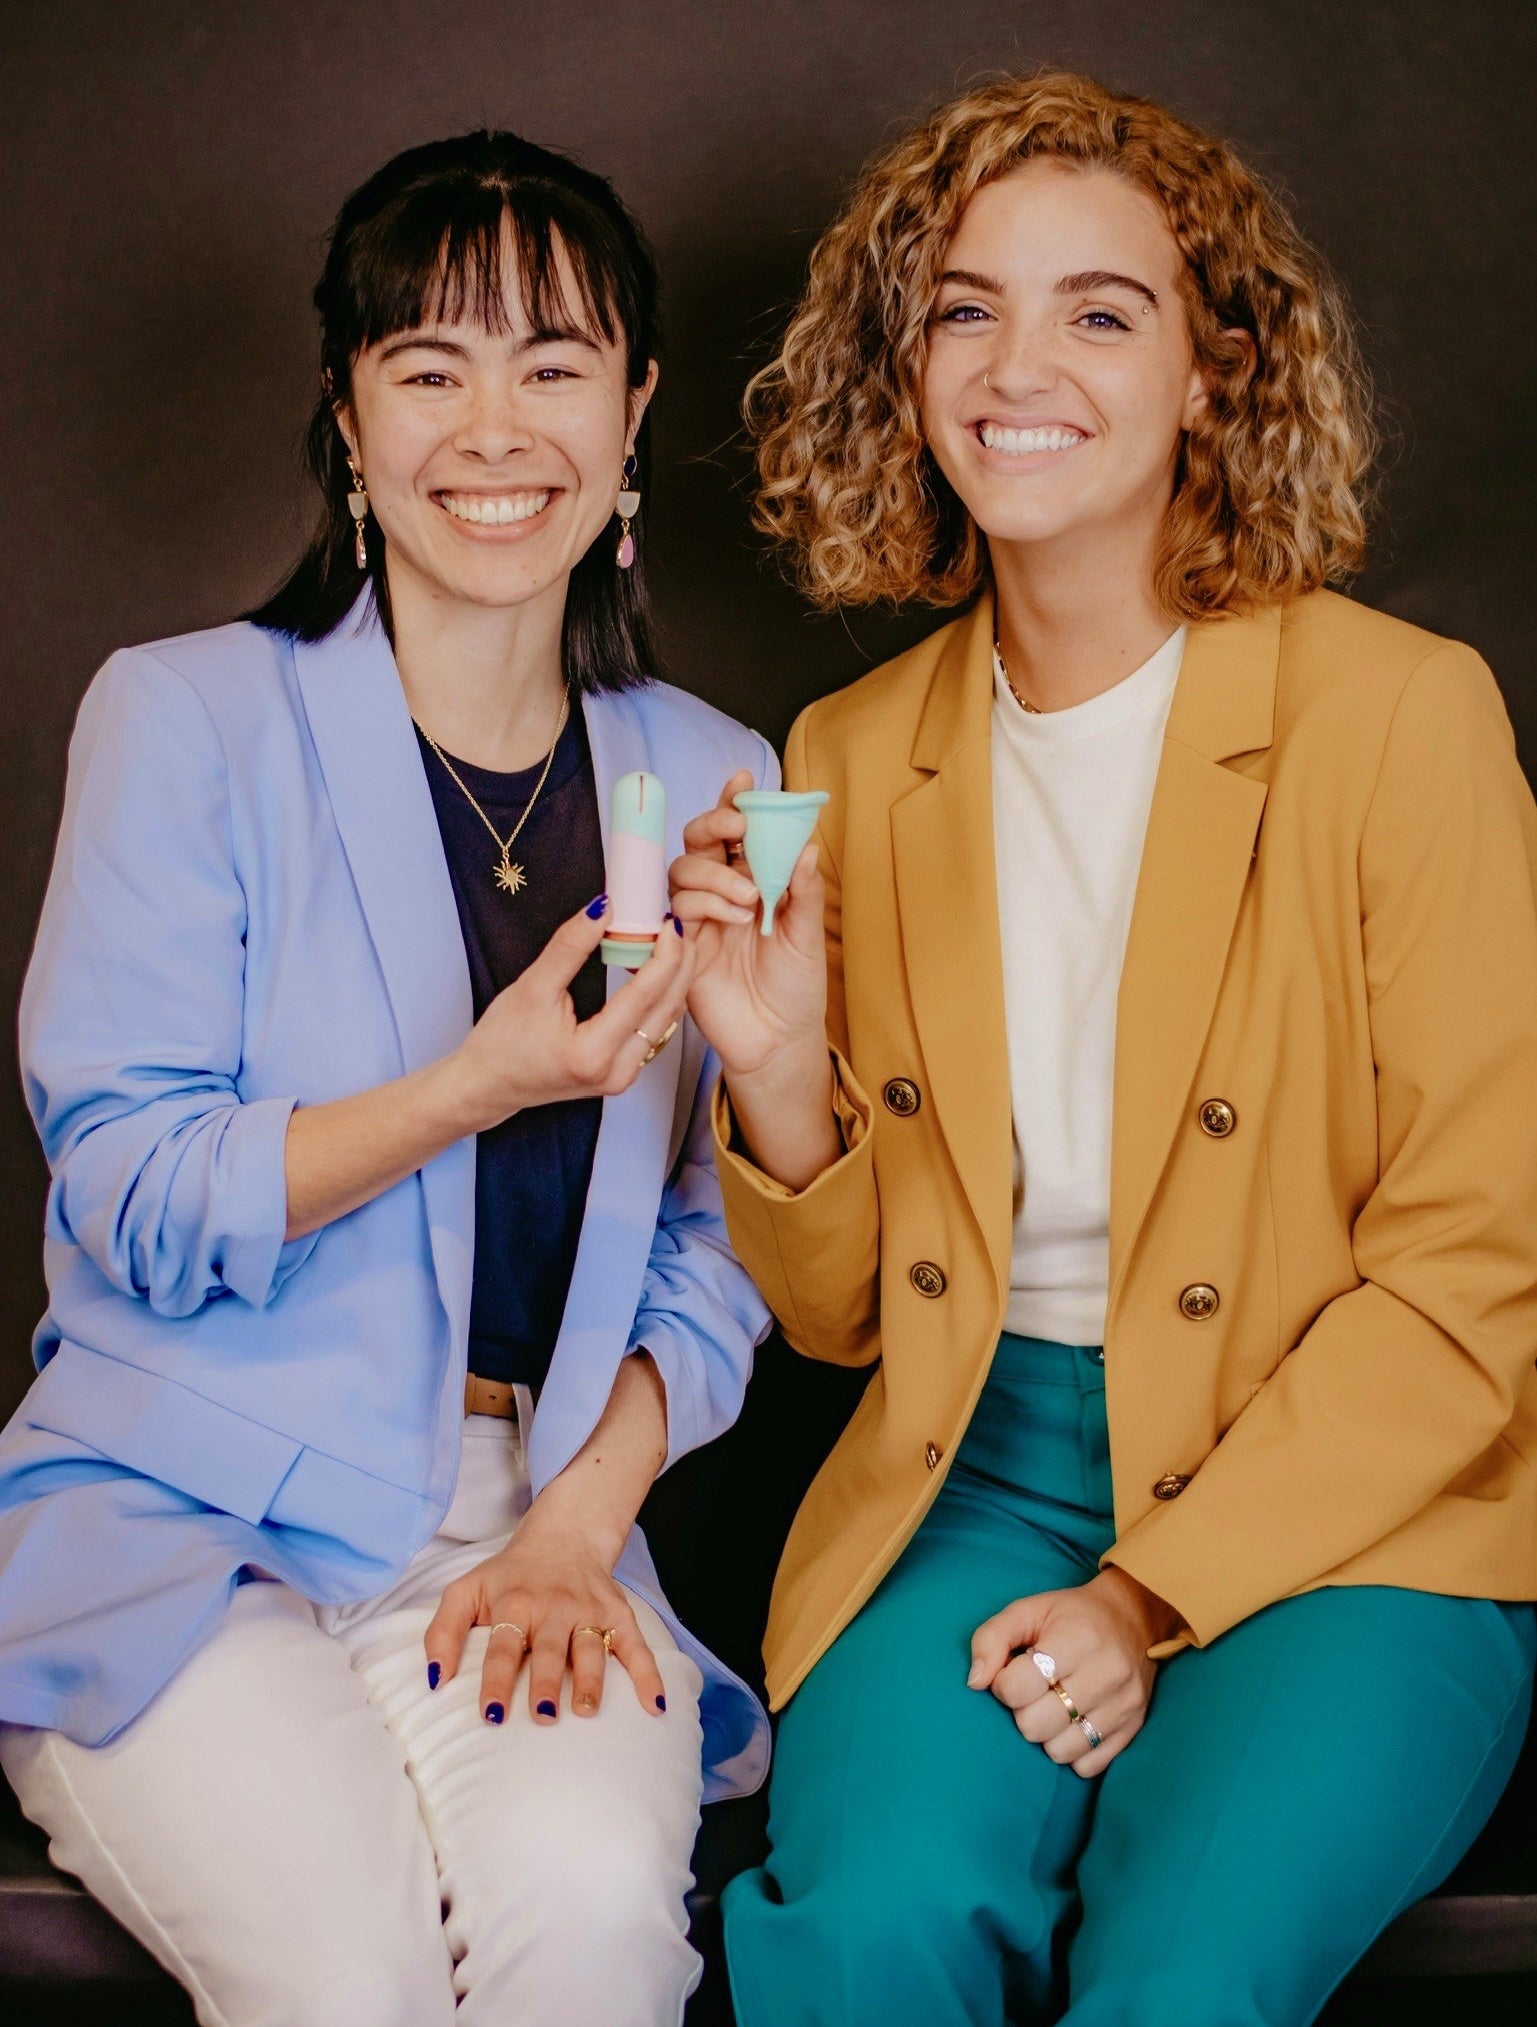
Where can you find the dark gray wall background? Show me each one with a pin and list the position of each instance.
(171, 170)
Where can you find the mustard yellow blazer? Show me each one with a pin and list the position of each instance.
(1323, 1223)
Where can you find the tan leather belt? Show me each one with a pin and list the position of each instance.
(489, 1396)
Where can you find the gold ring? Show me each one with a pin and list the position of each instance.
(656, 1043)
(1066, 1702)
(604, 1633)
(510, 1626)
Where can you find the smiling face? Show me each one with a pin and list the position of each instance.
(493, 459)
(1060, 374)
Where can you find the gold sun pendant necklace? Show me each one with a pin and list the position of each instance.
(509, 875)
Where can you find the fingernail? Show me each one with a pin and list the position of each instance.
(597, 907)
(434, 1674)
(677, 925)
(661, 1703)
(547, 1709)
(494, 1713)
(977, 1676)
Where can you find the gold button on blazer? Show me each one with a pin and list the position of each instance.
(1319, 1351)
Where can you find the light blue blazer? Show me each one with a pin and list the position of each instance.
(250, 909)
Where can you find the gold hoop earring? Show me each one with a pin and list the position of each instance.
(357, 507)
(627, 506)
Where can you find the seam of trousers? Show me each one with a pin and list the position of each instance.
(170, 1956)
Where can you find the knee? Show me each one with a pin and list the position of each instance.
(1172, 1995)
(883, 1926)
(612, 1891)
(384, 1990)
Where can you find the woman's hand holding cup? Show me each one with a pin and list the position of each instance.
(760, 1001)
(753, 996)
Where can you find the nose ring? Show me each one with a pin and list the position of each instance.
(987, 382)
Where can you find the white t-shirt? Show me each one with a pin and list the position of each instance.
(1071, 795)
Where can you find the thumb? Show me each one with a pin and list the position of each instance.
(1006, 1633)
(743, 778)
(569, 948)
(803, 906)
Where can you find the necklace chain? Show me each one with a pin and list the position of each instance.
(509, 877)
(1033, 709)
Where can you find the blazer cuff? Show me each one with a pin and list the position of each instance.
(676, 1362)
(801, 1246)
(855, 1117)
(1160, 1565)
(257, 1258)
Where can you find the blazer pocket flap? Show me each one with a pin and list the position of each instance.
(161, 1429)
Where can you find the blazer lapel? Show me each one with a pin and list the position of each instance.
(368, 754)
(628, 1167)
(947, 898)
(1200, 843)
(372, 765)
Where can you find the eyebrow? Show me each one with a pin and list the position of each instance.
(1070, 284)
(549, 334)
(1102, 278)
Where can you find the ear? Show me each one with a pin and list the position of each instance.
(346, 423)
(640, 399)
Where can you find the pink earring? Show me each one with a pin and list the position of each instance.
(627, 507)
(357, 507)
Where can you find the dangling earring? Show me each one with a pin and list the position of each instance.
(357, 507)
(627, 507)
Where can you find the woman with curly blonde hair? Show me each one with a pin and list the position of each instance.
(1142, 1076)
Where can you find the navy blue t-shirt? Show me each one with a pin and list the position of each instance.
(532, 1171)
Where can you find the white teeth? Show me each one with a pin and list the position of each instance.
(499, 511)
(1020, 442)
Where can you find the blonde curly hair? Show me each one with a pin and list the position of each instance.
(1268, 496)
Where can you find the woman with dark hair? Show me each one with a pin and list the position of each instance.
(385, 1255)
(1157, 1104)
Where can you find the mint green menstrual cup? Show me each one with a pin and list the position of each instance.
(779, 827)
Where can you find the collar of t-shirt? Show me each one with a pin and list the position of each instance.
(1147, 689)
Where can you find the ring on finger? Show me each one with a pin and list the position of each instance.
(1066, 1702)
(1091, 1732)
(656, 1043)
(604, 1633)
(1044, 1662)
(511, 1626)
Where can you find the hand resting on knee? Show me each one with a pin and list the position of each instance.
(1073, 1666)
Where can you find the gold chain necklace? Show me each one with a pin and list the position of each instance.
(510, 877)
(1033, 709)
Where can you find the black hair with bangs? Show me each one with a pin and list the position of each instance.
(426, 239)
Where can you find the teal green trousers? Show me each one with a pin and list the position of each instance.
(1296, 1784)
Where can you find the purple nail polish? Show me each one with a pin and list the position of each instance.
(434, 1674)
(677, 925)
(547, 1709)
(494, 1713)
(597, 907)
(661, 1703)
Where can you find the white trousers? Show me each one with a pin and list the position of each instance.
(307, 1836)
